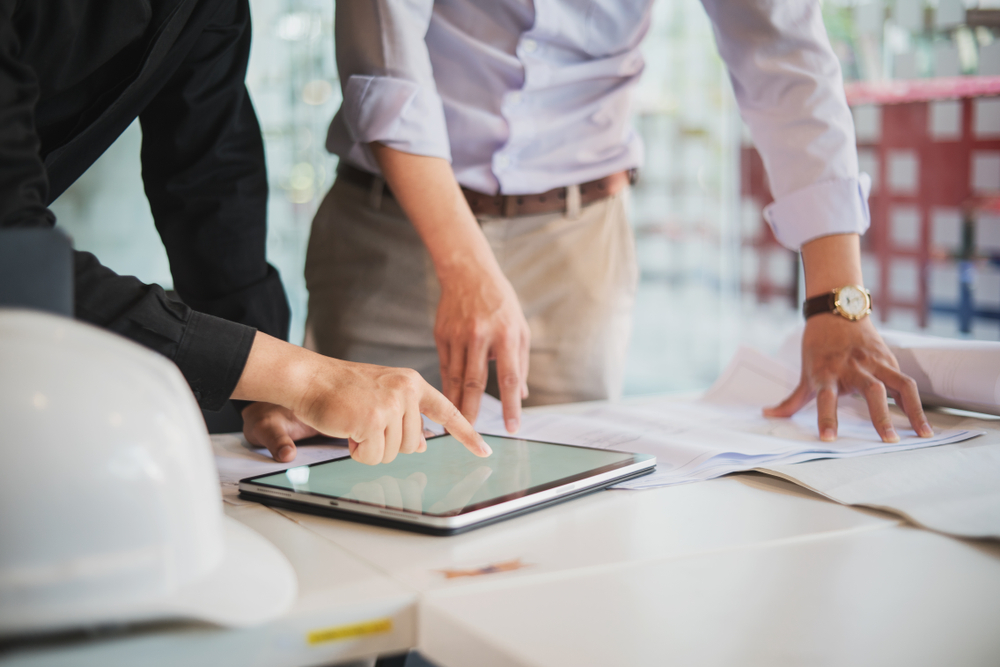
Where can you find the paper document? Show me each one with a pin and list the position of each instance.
(953, 489)
(724, 432)
(957, 373)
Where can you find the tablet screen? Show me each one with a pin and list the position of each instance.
(447, 479)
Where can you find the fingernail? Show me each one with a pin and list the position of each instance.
(512, 425)
(827, 435)
(926, 431)
(891, 435)
(285, 453)
(485, 448)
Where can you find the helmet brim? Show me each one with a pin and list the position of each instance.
(253, 584)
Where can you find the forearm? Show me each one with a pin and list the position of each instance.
(830, 262)
(426, 189)
(479, 316)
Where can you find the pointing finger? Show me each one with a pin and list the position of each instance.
(437, 407)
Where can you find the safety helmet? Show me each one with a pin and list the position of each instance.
(110, 508)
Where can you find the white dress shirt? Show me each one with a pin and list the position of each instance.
(524, 96)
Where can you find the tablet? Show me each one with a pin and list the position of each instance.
(447, 489)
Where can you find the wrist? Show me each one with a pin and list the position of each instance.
(850, 302)
(276, 372)
(831, 262)
(463, 257)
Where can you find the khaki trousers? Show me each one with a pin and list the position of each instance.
(373, 293)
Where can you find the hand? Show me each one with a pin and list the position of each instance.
(277, 429)
(375, 407)
(840, 356)
(479, 318)
(274, 427)
(378, 410)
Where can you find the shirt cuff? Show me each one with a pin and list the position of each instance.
(396, 112)
(212, 355)
(821, 209)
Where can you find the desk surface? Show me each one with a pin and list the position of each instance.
(747, 569)
(883, 597)
(603, 529)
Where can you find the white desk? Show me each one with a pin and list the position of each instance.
(883, 597)
(605, 529)
(741, 570)
(744, 570)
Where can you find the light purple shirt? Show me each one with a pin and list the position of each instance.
(524, 96)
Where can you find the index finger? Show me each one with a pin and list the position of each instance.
(440, 409)
(510, 383)
(476, 374)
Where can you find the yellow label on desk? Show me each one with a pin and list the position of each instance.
(337, 633)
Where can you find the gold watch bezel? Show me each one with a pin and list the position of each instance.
(843, 313)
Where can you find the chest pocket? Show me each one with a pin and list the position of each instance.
(614, 26)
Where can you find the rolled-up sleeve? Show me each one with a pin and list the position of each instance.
(790, 92)
(387, 80)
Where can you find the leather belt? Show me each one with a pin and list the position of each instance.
(512, 206)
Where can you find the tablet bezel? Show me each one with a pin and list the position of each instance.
(479, 514)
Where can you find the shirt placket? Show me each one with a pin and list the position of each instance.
(516, 107)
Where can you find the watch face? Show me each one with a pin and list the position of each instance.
(852, 301)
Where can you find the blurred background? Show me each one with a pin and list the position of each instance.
(923, 79)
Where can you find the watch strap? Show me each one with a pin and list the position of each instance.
(823, 303)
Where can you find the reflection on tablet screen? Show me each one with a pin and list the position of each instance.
(447, 478)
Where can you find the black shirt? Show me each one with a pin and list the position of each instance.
(73, 75)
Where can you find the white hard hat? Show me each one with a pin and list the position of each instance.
(110, 509)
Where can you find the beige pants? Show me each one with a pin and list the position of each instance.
(373, 292)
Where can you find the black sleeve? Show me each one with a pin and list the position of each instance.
(24, 186)
(204, 173)
(210, 352)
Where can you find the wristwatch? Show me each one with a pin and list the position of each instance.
(851, 302)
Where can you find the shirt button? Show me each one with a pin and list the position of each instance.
(529, 45)
(514, 98)
(502, 161)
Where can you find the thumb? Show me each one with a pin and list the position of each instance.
(793, 403)
(275, 437)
